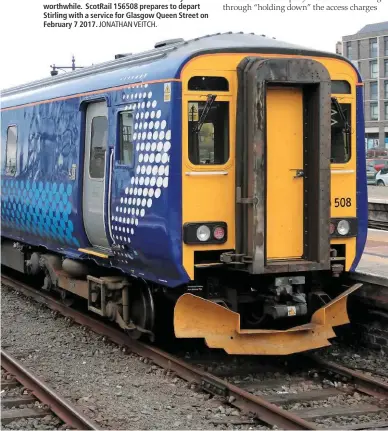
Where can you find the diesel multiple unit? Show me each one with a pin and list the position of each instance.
(219, 181)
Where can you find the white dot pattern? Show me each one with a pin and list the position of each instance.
(152, 144)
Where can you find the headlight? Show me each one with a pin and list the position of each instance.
(203, 233)
(343, 227)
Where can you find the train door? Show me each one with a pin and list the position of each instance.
(284, 173)
(283, 177)
(96, 140)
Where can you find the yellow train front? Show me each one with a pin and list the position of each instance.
(274, 200)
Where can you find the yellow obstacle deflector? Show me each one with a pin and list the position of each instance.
(195, 317)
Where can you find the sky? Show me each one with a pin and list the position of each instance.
(28, 49)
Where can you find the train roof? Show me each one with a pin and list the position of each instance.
(165, 61)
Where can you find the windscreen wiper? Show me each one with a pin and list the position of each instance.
(209, 102)
(342, 115)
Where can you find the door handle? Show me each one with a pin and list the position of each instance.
(299, 173)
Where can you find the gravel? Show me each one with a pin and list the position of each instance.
(124, 391)
(371, 362)
(115, 389)
(349, 421)
(48, 422)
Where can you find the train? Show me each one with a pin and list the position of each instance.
(217, 183)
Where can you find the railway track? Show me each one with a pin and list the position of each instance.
(284, 409)
(378, 213)
(27, 397)
(381, 225)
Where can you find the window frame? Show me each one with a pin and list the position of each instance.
(386, 68)
(349, 50)
(350, 140)
(370, 111)
(16, 151)
(386, 89)
(118, 160)
(196, 98)
(373, 84)
(372, 42)
(376, 73)
(386, 110)
(347, 98)
(91, 147)
(386, 46)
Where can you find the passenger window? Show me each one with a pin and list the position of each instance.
(99, 139)
(340, 141)
(208, 133)
(126, 138)
(11, 151)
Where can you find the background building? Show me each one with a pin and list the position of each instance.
(368, 50)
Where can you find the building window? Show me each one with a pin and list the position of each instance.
(386, 46)
(372, 142)
(372, 48)
(208, 133)
(385, 89)
(98, 144)
(386, 68)
(386, 110)
(11, 151)
(340, 141)
(349, 50)
(374, 71)
(126, 138)
(374, 111)
(373, 91)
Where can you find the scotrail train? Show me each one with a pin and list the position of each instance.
(222, 178)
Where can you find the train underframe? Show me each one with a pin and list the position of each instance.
(274, 314)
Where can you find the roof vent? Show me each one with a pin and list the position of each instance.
(168, 42)
(122, 55)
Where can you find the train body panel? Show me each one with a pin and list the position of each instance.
(44, 203)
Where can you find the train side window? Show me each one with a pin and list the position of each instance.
(209, 142)
(340, 141)
(99, 139)
(11, 151)
(126, 138)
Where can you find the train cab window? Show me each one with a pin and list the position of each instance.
(208, 132)
(126, 138)
(11, 151)
(99, 139)
(208, 83)
(340, 133)
(340, 87)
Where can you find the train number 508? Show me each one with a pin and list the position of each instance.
(342, 202)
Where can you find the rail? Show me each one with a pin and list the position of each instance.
(378, 213)
(58, 405)
(266, 408)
